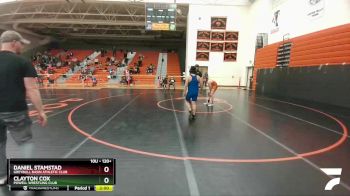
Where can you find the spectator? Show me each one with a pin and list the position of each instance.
(94, 80)
(205, 79)
(165, 82)
(19, 82)
(172, 82)
(112, 59)
(102, 52)
(149, 69)
(114, 51)
(160, 81)
(51, 79)
(127, 75)
(123, 80)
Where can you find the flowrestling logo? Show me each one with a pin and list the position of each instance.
(332, 172)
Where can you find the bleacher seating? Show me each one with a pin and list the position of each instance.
(101, 72)
(143, 78)
(173, 67)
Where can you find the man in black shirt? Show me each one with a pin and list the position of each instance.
(199, 73)
(17, 79)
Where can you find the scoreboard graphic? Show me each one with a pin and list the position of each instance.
(160, 17)
(95, 174)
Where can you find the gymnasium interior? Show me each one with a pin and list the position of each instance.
(280, 118)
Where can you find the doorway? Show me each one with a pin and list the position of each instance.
(249, 81)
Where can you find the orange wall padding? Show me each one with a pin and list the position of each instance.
(329, 46)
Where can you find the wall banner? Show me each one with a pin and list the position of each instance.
(315, 9)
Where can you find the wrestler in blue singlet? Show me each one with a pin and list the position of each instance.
(192, 93)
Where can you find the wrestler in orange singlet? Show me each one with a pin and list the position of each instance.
(213, 86)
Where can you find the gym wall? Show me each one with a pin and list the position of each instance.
(318, 69)
(224, 72)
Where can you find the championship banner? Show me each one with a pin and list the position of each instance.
(229, 57)
(203, 35)
(231, 36)
(203, 46)
(216, 47)
(217, 35)
(202, 56)
(218, 23)
(230, 46)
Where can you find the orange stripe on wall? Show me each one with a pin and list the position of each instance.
(329, 46)
(325, 32)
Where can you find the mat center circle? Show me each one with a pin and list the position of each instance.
(218, 103)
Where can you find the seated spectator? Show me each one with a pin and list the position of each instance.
(172, 82)
(51, 79)
(139, 63)
(149, 69)
(94, 80)
(74, 59)
(136, 70)
(50, 70)
(84, 79)
(111, 73)
(123, 80)
(131, 80)
(160, 81)
(165, 82)
(102, 52)
(55, 60)
(114, 74)
(128, 77)
(141, 57)
(131, 70)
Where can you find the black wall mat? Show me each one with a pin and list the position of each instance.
(324, 84)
